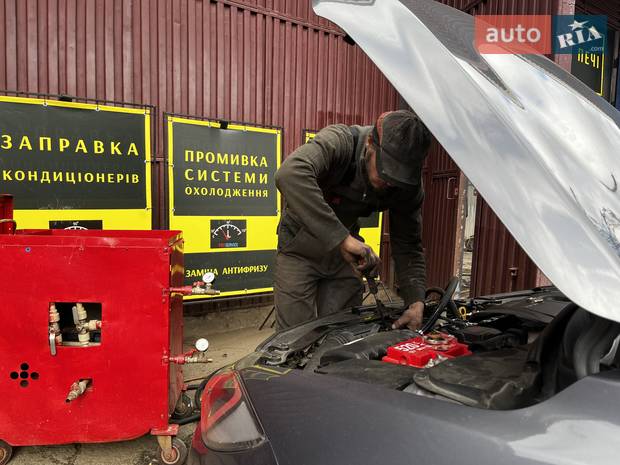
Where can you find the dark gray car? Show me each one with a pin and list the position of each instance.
(540, 381)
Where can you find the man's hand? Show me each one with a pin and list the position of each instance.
(411, 318)
(360, 256)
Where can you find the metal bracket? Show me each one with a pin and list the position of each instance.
(169, 430)
(452, 192)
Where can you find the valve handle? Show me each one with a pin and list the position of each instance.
(52, 341)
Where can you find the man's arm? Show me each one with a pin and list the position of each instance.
(408, 254)
(327, 155)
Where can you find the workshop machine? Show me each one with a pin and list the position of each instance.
(92, 332)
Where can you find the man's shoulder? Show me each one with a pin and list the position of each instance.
(335, 140)
(334, 131)
(341, 137)
(343, 129)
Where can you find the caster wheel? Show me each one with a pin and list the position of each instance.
(178, 455)
(6, 452)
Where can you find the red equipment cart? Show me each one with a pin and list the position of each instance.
(90, 323)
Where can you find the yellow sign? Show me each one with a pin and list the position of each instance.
(308, 135)
(222, 195)
(76, 165)
(595, 64)
(370, 227)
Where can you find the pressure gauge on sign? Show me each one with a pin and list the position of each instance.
(228, 234)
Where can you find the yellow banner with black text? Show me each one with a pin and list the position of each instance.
(75, 165)
(222, 195)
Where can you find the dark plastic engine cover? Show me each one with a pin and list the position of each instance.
(370, 348)
(499, 380)
(373, 372)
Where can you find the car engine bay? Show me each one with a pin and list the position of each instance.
(499, 352)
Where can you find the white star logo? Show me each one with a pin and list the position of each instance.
(577, 25)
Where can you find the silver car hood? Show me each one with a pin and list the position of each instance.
(541, 147)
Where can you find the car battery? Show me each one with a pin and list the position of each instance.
(426, 351)
(92, 341)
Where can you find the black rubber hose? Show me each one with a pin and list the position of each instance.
(198, 393)
(451, 305)
(454, 309)
(185, 421)
(445, 299)
(327, 345)
(436, 290)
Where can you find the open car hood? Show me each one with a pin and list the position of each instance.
(541, 147)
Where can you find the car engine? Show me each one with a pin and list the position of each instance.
(493, 352)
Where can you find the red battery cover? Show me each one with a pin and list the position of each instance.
(426, 350)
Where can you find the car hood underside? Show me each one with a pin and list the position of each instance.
(540, 147)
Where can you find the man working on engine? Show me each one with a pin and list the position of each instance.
(328, 183)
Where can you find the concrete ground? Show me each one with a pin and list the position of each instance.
(227, 343)
(225, 347)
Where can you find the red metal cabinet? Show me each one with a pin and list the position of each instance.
(132, 388)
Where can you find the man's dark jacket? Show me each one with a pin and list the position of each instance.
(326, 189)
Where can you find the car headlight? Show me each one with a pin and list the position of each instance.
(228, 421)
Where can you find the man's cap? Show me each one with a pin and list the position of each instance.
(401, 142)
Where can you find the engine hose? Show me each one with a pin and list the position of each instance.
(434, 290)
(443, 302)
(185, 421)
(454, 310)
(601, 348)
(451, 305)
(328, 344)
(199, 389)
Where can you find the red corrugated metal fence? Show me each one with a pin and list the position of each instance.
(498, 263)
(269, 62)
(217, 59)
(441, 177)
